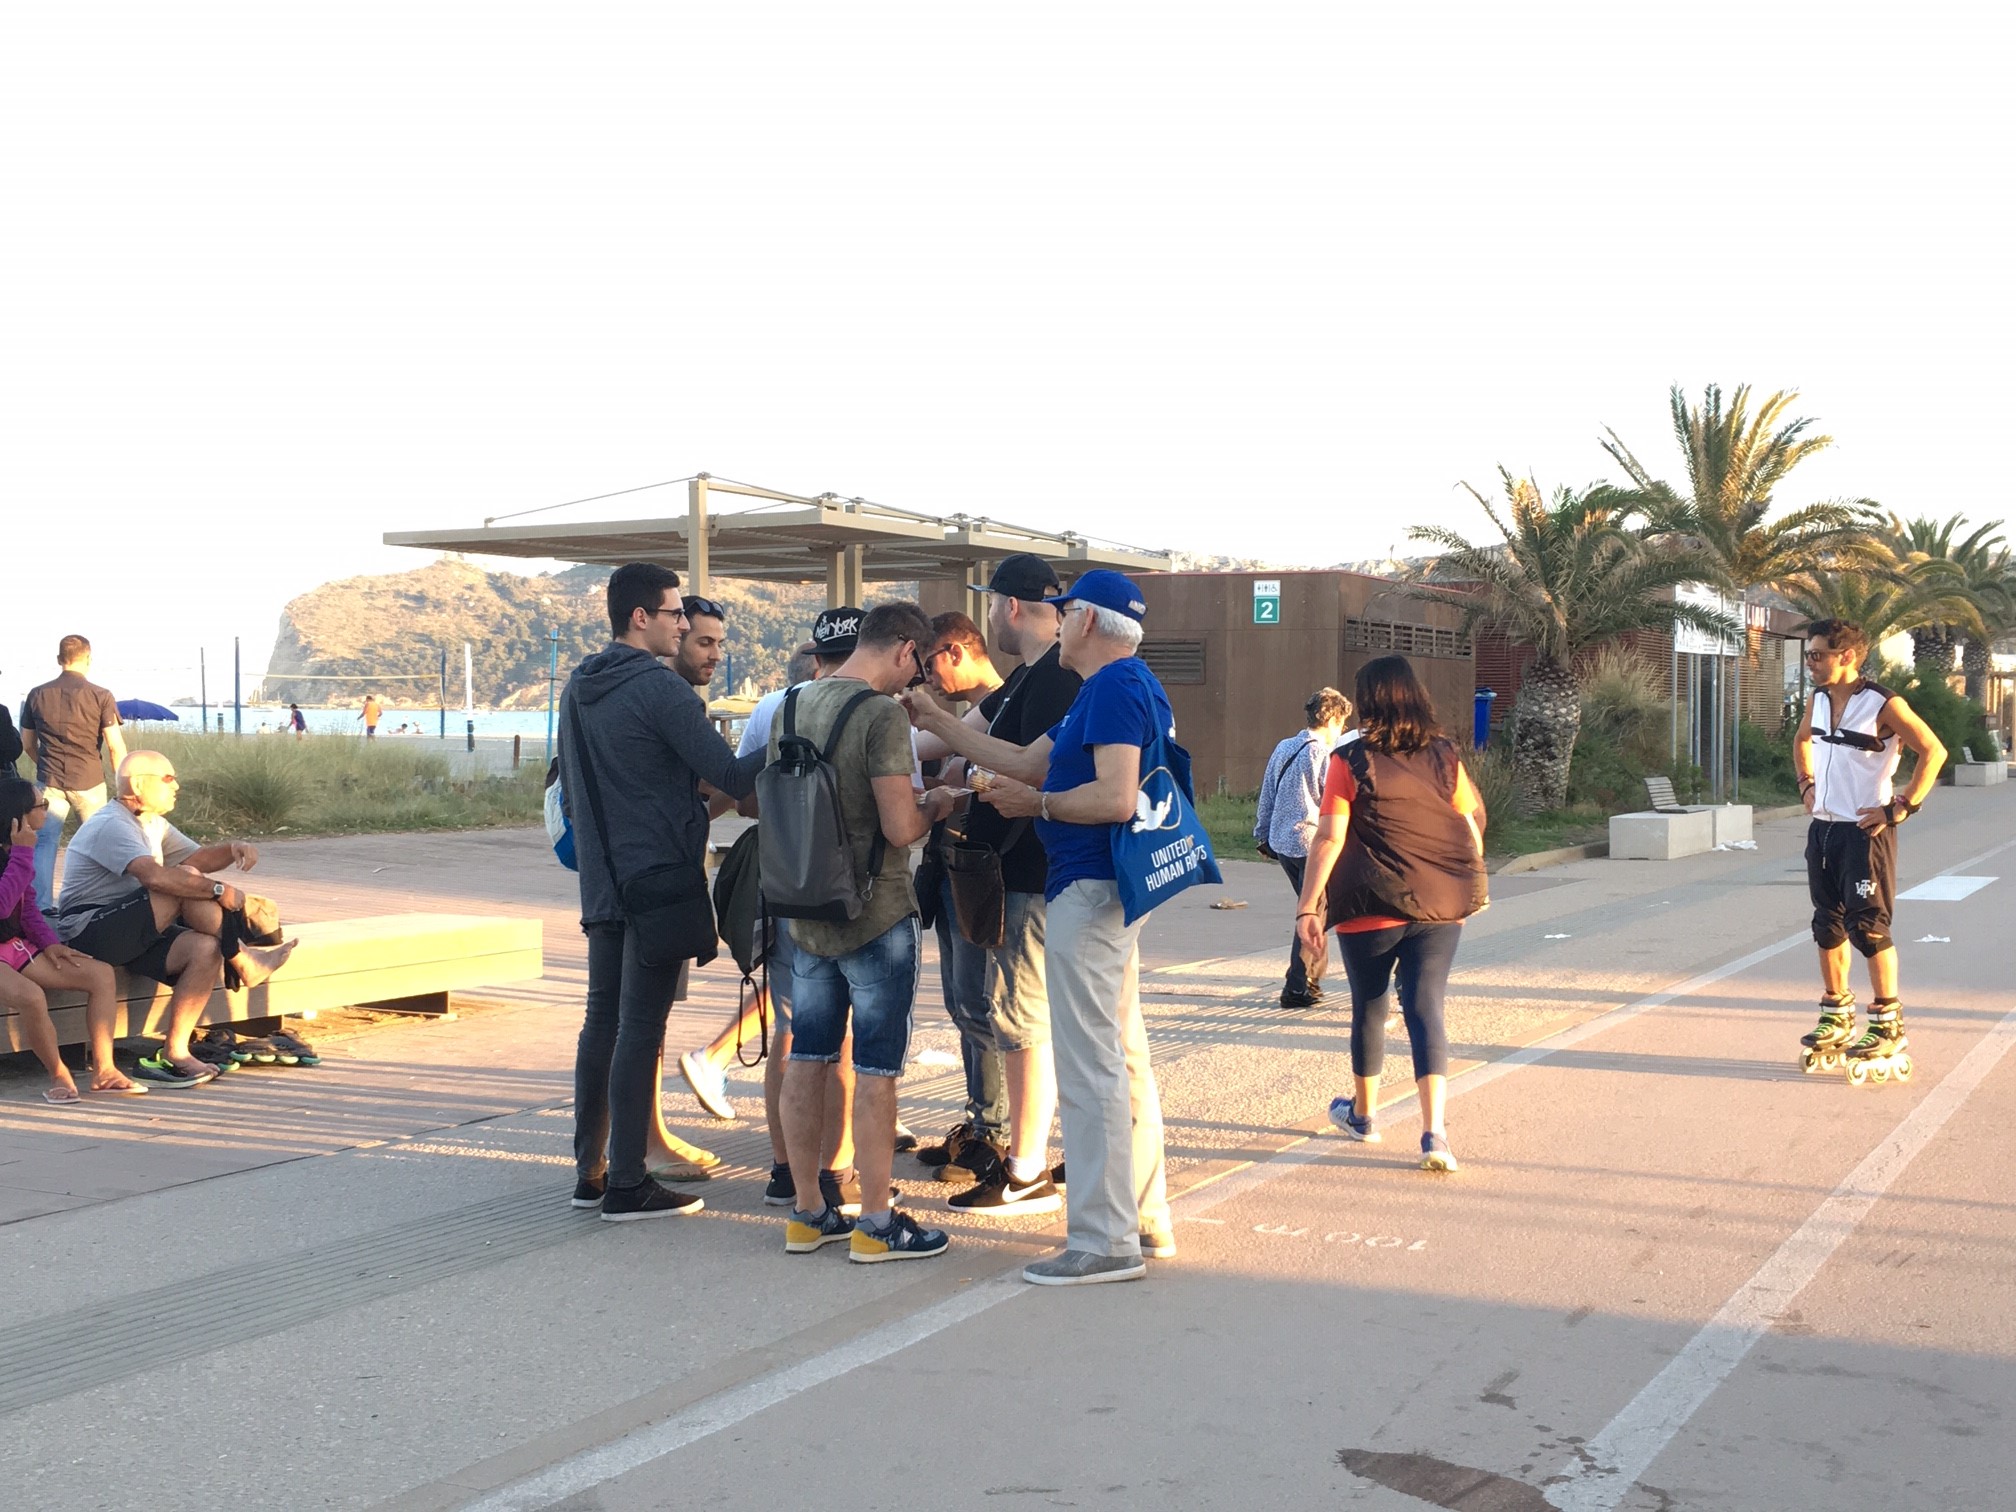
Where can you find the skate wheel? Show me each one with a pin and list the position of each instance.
(1858, 1073)
(1809, 1063)
(1880, 1072)
(1903, 1068)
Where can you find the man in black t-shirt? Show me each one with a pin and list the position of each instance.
(1031, 702)
(63, 723)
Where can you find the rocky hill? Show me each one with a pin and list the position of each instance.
(380, 627)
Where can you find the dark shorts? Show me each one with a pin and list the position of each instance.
(125, 936)
(1852, 877)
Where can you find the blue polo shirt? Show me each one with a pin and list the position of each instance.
(1120, 704)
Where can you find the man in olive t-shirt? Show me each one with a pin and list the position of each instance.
(865, 969)
(63, 723)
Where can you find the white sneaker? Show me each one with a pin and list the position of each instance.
(710, 1087)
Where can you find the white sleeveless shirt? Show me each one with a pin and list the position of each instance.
(1853, 764)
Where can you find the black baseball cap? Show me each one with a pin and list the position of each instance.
(1024, 576)
(836, 631)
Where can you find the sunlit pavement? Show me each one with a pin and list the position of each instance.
(1673, 1271)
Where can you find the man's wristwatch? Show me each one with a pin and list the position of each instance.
(217, 891)
(1901, 809)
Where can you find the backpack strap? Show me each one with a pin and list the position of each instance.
(879, 844)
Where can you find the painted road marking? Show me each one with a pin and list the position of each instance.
(581, 1472)
(1604, 1474)
(1945, 889)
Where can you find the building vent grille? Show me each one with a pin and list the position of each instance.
(1174, 661)
(1407, 640)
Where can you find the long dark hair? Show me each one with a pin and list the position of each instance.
(1394, 710)
(17, 797)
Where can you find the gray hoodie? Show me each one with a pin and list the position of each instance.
(648, 735)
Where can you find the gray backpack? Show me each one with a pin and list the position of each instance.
(807, 863)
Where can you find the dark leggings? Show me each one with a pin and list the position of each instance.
(1420, 954)
(616, 1058)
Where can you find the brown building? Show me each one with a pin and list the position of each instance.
(1238, 674)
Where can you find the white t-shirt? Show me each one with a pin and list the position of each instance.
(756, 732)
(94, 868)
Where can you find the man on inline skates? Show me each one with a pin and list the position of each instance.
(1846, 754)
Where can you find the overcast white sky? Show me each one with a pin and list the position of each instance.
(1261, 279)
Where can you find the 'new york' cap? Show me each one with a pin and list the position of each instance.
(1109, 590)
(1024, 576)
(836, 631)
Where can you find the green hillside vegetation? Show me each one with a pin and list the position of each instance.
(399, 623)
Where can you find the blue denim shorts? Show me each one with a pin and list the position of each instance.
(878, 983)
(778, 966)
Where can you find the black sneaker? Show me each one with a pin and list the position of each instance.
(782, 1191)
(947, 1150)
(1310, 999)
(974, 1160)
(997, 1195)
(588, 1194)
(647, 1199)
(1057, 1175)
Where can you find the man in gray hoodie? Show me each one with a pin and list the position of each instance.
(646, 734)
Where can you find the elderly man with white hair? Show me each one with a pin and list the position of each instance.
(137, 894)
(1080, 783)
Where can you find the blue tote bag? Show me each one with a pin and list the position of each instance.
(1164, 848)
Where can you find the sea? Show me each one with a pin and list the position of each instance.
(432, 722)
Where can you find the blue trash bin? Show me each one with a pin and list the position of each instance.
(1480, 718)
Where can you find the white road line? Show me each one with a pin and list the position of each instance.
(1626, 1448)
(593, 1467)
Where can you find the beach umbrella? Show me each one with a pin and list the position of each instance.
(140, 708)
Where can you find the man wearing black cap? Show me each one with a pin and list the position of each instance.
(1089, 770)
(1037, 695)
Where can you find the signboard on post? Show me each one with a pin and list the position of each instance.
(1266, 601)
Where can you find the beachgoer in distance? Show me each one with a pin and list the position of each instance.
(371, 713)
(63, 723)
(1291, 798)
(139, 894)
(1396, 865)
(647, 736)
(1845, 754)
(296, 720)
(33, 962)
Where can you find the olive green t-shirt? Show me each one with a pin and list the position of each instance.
(876, 743)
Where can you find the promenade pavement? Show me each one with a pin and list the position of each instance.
(1673, 1272)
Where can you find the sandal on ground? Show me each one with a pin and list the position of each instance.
(61, 1096)
(131, 1089)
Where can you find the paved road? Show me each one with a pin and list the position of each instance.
(1673, 1273)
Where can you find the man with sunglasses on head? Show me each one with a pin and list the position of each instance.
(1846, 755)
(138, 893)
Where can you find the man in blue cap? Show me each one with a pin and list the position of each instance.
(1079, 782)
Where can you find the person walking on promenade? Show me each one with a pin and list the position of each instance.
(635, 743)
(33, 962)
(63, 722)
(1089, 770)
(1284, 822)
(1397, 864)
(1846, 754)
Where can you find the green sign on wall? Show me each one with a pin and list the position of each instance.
(1266, 601)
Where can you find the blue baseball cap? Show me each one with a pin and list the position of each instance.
(1109, 590)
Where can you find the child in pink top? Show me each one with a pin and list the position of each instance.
(33, 962)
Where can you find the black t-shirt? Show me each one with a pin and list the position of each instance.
(1026, 708)
(69, 717)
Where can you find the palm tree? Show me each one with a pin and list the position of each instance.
(1995, 598)
(1884, 602)
(1971, 568)
(1735, 462)
(1568, 576)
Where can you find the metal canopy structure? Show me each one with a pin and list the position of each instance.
(790, 538)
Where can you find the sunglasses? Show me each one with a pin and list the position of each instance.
(697, 605)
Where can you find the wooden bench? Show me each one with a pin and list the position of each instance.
(406, 963)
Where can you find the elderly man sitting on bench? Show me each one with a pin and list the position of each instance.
(137, 894)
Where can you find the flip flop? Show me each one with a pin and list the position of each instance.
(131, 1089)
(56, 1095)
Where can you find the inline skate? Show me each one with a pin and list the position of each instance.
(1826, 1047)
(1883, 1052)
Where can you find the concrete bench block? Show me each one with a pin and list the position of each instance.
(1979, 773)
(1732, 821)
(1661, 837)
(411, 961)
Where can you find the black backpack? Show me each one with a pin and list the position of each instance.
(807, 862)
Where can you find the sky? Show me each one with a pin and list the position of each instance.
(1261, 280)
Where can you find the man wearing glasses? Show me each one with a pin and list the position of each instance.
(137, 893)
(1846, 756)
